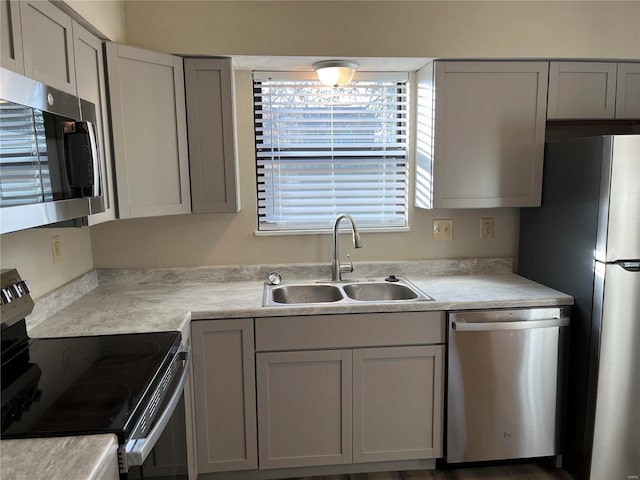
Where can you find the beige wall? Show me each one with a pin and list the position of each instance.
(341, 28)
(30, 252)
(230, 239)
(589, 29)
(106, 16)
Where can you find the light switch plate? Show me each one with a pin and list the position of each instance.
(443, 229)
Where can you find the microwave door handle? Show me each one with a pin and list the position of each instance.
(95, 159)
(72, 127)
(138, 450)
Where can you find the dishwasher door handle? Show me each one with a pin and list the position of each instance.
(462, 326)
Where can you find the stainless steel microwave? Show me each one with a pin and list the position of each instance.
(49, 155)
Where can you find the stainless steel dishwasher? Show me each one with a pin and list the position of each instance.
(505, 383)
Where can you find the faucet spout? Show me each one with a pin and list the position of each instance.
(336, 268)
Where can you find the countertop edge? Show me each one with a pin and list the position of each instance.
(22, 459)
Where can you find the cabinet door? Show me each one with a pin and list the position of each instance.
(225, 400)
(304, 408)
(488, 144)
(212, 161)
(628, 91)
(90, 81)
(48, 45)
(397, 403)
(581, 90)
(11, 36)
(146, 92)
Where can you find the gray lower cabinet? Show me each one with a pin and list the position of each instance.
(329, 393)
(331, 407)
(397, 403)
(224, 387)
(304, 408)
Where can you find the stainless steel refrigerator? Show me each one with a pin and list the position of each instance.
(585, 241)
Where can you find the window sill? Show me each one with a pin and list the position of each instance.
(273, 233)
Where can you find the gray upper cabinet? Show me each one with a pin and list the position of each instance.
(628, 91)
(148, 121)
(581, 90)
(47, 42)
(480, 134)
(91, 86)
(210, 120)
(594, 90)
(11, 36)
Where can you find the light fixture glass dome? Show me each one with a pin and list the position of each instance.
(335, 72)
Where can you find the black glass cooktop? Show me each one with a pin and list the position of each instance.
(81, 385)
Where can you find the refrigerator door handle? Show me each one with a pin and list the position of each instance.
(462, 326)
(629, 265)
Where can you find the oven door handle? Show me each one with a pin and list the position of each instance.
(137, 450)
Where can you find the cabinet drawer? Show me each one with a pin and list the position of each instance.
(352, 330)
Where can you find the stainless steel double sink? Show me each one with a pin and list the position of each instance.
(350, 291)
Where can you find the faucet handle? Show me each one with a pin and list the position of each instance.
(347, 268)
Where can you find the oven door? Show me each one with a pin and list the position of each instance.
(162, 451)
(168, 458)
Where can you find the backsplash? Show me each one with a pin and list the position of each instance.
(238, 273)
(51, 303)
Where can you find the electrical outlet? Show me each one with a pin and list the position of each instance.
(443, 229)
(486, 228)
(56, 248)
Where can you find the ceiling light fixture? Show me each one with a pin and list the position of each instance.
(335, 73)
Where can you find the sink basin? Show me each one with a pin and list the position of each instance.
(352, 292)
(290, 294)
(376, 292)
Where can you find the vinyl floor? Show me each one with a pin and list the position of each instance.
(526, 471)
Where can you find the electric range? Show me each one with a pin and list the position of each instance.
(125, 384)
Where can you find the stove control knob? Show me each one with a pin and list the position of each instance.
(18, 290)
(25, 286)
(7, 295)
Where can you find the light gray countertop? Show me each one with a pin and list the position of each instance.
(133, 308)
(62, 458)
(147, 300)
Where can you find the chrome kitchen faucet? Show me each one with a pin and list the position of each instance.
(336, 268)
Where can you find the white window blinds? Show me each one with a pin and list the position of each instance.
(322, 151)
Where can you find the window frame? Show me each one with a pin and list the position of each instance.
(402, 106)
